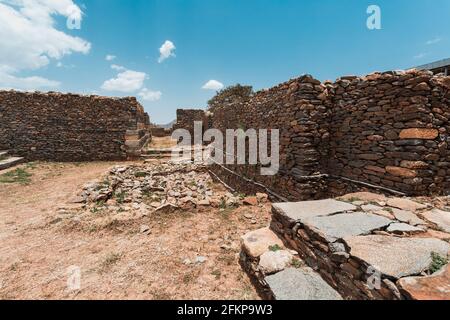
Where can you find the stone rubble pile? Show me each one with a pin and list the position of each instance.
(157, 187)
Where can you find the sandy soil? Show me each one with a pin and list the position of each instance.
(40, 243)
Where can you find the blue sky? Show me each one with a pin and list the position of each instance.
(255, 42)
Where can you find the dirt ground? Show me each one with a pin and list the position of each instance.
(40, 243)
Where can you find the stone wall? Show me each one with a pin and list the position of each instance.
(385, 130)
(186, 119)
(391, 129)
(69, 127)
(299, 108)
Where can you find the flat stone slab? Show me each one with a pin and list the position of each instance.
(405, 204)
(9, 162)
(344, 225)
(403, 228)
(396, 257)
(300, 284)
(407, 217)
(434, 287)
(364, 196)
(257, 242)
(440, 218)
(299, 211)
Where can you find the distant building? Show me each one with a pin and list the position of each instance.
(441, 66)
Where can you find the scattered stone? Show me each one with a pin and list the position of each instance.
(250, 201)
(248, 216)
(145, 229)
(434, 287)
(396, 257)
(400, 228)
(262, 197)
(300, 284)
(257, 242)
(405, 204)
(440, 218)
(200, 259)
(204, 203)
(299, 211)
(274, 261)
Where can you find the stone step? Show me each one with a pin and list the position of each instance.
(10, 162)
(353, 250)
(3, 153)
(278, 273)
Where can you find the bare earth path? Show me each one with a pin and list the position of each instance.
(37, 246)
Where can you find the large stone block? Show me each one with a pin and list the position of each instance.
(419, 133)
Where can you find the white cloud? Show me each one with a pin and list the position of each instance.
(434, 41)
(118, 68)
(166, 51)
(148, 95)
(8, 81)
(110, 57)
(126, 81)
(29, 38)
(213, 85)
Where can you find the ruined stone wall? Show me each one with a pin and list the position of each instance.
(186, 119)
(385, 130)
(69, 127)
(299, 109)
(391, 129)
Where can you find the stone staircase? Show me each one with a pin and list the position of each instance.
(355, 249)
(8, 161)
(166, 153)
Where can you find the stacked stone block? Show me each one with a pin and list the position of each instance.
(70, 127)
(391, 129)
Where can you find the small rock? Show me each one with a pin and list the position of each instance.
(251, 201)
(155, 204)
(145, 229)
(204, 203)
(262, 197)
(248, 216)
(200, 259)
(271, 262)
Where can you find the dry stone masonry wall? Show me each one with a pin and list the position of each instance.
(299, 109)
(387, 130)
(391, 129)
(69, 127)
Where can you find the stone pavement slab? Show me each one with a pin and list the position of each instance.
(396, 257)
(440, 218)
(405, 204)
(403, 228)
(300, 284)
(299, 211)
(344, 225)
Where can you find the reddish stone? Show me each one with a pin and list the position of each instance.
(419, 133)
(435, 287)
